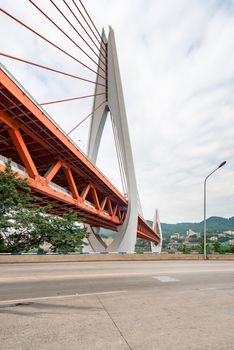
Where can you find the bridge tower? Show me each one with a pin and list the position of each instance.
(56, 169)
(157, 248)
(126, 236)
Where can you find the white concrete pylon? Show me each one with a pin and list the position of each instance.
(157, 248)
(125, 239)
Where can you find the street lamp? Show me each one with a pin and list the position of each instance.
(220, 166)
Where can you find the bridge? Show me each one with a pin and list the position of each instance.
(58, 172)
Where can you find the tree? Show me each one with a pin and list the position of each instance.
(217, 247)
(3, 248)
(25, 225)
(185, 249)
(14, 194)
(201, 249)
(142, 246)
(66, 233)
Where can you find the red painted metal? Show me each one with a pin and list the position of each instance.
(74, 15)
(56, 170)
(87, 116)
(50, 69)
(71, 99)
(99, 41)
(49, 42)
(91, 20)
(64, 33)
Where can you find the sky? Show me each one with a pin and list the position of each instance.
(177, 67)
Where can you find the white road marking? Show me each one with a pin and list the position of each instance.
(216, 288)
(210, 288)
(101, 293)
(13, 301)
(166, 279)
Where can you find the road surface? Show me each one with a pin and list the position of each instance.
(117, 305)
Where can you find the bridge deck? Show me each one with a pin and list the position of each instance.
(56, 168)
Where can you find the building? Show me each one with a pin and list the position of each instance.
(191, 233)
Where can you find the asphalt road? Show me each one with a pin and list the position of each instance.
(117, 305)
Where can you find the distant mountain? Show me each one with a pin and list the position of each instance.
(215, 224)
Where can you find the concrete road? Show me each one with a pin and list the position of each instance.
(117, 305)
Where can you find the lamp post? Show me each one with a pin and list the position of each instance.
(222, 164)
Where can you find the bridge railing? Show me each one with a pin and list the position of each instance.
(22, 170)
(15, 166)
(5, 70)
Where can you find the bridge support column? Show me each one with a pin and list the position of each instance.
(157, 248)
(126, 237)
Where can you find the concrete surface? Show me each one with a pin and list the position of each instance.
(34, 258)
(117, 305)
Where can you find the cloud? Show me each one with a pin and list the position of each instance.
(177, 66)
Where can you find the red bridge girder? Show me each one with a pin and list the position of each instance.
(57, 171)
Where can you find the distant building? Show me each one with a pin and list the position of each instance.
(174, 245)
(213, 239)
(191, 233)
(175, 236)
(191, 244)
(229, 233)
(221, 235)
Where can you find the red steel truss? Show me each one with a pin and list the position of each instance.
(57, 171)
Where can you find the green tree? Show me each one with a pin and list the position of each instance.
(185, 249)
(217, 247)
(3, 248)
(66, 233)
(201, 249)
(25, 225)
(142, 246)
(14, 194)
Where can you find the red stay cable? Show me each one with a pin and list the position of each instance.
(50, 69)
(100, 42)
(94, 110)
(117, 146)
(85, 32)
(62, 31)
(47, 40)
(90, 19)
(70, 99)
(58, 9)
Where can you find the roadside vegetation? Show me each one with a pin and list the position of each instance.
(216, 248)
(27, 225)
(143, 246)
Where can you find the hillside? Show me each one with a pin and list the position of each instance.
(215, 224)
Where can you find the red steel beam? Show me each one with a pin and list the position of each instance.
(96, 186)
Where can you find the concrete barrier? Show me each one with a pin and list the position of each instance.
(55, 258)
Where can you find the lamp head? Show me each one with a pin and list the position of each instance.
(222, 164)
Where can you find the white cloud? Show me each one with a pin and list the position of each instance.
(177, 66)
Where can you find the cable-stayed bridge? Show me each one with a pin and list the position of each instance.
(57, 170)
